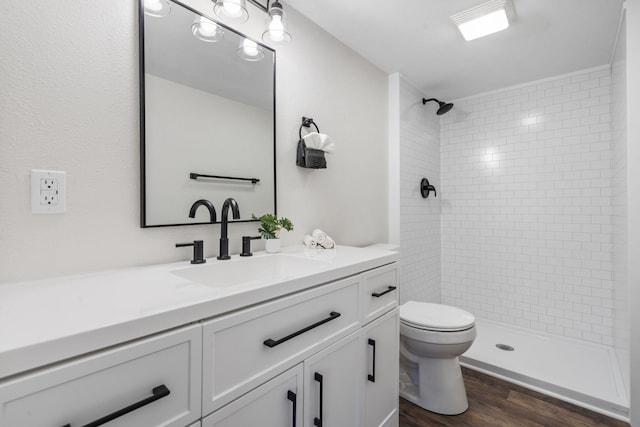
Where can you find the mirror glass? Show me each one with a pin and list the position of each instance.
(207, 108)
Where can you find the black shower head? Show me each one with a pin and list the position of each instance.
(444, 107)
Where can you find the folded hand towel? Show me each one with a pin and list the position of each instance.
(310, 242)
(319, 235)
(319, 141)
(327, 145)
(329, 243)
(312, 140)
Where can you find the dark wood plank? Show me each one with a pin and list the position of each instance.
(497, 403)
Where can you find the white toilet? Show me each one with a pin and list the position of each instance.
(432, 336)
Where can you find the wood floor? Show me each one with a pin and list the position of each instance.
(496, 403)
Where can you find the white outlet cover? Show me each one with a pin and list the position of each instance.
(43, 183)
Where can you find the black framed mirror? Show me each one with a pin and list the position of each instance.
(207, 117)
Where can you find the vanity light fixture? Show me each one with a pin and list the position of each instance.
(157, 8)
(484, 19)
(206, 30)
(250, 50)
(276, 28)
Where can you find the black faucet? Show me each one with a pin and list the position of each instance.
(205, 203)
(224, 241)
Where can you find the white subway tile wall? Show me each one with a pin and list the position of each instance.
(419, 218)
(527, 206)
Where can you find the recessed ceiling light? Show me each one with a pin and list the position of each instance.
(484, 19)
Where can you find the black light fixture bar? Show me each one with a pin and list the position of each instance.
(199, 175)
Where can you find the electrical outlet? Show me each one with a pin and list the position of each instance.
(48, 184)
(48, 192)
(49, 197)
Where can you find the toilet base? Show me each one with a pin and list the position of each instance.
(440, 387)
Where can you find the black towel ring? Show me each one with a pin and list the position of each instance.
(307, 122)
(308, 157)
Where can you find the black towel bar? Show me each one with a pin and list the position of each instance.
(199, 175)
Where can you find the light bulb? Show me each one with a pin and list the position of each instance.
(250, 51)
(206, 30)
(232, 10)
(156, 8)
(276, 28)
(250, 47)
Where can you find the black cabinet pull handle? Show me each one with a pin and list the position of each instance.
(317, 421)
(272, 343)
(372, 377)
(292, 397)
(378, 295)
(158, 393)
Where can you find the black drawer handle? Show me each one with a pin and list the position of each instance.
(372, 377)
(292, 397)
(317, 421)
(272, 343)
(158, 393)
(378, 295)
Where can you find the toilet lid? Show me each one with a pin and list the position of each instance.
(435, 317)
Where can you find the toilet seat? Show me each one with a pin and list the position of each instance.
(435, 317)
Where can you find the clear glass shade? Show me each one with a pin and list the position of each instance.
(206, 30)
(231, 10)
(250, 50)
(276, 30)
(157, 8)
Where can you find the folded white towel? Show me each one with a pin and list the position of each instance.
(327, 145)
(319, 235)
(319, 141)
(310, 242)
(329, 243)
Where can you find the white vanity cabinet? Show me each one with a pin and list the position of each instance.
(311, 349)
(150, 382)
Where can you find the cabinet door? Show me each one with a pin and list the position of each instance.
(333, 384)
(381, 340)
(277, 403)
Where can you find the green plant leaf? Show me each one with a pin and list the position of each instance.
(270, 225)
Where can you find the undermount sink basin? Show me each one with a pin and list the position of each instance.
(270, 268)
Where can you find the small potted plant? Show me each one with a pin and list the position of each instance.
(270, 227)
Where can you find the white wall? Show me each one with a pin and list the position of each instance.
(633, 182)
(619, 218)
(526, 206)
(69, 101)
(419, 154)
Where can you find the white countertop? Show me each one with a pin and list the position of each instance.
(48, 320)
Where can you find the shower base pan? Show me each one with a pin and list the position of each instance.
(585, 374)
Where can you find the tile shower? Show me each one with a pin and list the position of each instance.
(524, 228)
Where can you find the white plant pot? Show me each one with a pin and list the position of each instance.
(272, 246)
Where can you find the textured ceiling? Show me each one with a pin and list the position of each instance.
(417, 39)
